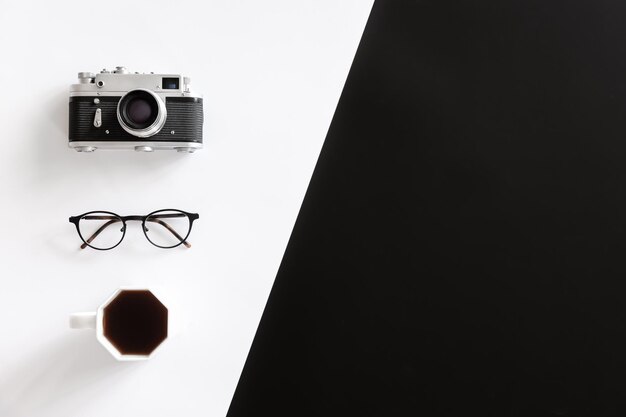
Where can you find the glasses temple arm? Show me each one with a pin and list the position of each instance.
(172, 231)
(97, 232)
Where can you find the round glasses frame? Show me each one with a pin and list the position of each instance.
(123, 219)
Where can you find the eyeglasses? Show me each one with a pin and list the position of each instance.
(166, 228)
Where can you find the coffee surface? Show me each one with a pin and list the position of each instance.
(135, 322)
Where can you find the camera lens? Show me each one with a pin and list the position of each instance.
(141, 113)
(138, 109)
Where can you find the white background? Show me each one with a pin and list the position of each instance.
(271, 73)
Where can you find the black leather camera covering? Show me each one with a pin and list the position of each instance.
(184, 116)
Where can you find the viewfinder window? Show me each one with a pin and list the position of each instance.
(171, 83)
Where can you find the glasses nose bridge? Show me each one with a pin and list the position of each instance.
(133, 218)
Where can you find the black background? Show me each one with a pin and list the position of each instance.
(460, 250)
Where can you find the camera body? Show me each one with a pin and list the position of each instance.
(142, 112)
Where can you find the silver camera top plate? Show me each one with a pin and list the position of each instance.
(120, 81)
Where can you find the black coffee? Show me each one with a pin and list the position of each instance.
(135, 322)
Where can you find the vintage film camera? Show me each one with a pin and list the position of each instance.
(145, 112)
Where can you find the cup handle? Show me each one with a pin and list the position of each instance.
(83, 320)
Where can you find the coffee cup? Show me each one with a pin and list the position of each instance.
(131, 324)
